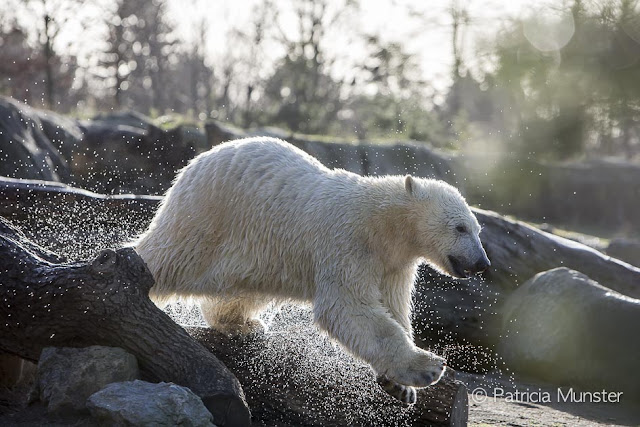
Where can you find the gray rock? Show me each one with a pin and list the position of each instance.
(25, 150)
(566, 329)
(139, 403)
(626, 250)
(68, 376)
(63, 132)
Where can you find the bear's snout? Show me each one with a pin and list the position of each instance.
(463, 269)
(480, 265)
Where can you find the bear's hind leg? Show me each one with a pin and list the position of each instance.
(234, 316)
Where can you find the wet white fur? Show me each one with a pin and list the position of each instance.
(257, 220)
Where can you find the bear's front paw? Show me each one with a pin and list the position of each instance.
(421, 370)
(404, 393)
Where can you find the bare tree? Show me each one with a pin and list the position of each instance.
(254, 37)
(120, 21)
(309, 97)
(52, 15)
(156, 31)
(200, 75)
(459, 22)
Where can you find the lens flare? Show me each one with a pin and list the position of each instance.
(548, 30)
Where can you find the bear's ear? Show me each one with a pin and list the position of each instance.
(409, 184)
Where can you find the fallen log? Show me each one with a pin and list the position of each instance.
(519, 251)
(20, 197)
(48, 302)
(286, 384)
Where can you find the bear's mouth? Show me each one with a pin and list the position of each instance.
(456, 268)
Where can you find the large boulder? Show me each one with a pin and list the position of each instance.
(63, 132)
(139, 403)
(25, 149)
(126, 152)
(68, 376)
(566, 329)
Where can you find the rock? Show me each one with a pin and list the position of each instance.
(25, 150)
(566, 329)
(123, 156)
(124, 118)
(10, 369)
(626, 250)
(63, 132)
(68, 376)
(139, 403)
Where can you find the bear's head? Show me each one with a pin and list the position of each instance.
(446, 231)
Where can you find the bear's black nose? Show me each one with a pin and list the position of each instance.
(481, 265)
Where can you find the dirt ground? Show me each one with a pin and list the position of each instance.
(486, 408)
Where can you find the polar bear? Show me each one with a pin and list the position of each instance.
(257, 220)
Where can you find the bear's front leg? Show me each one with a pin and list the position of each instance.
(362, 325)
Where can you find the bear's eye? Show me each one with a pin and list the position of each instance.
(461, 229)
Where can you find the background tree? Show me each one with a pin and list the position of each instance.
(118, 57)
(302, 93)
(20, 64)
(51, 16)
(200, 74)
(581, 98)
(139, 54)
(389, 95)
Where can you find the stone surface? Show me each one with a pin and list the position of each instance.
(566, 329)
(139, 403)
(627, 250)
(25, 150)
(68, 376)
(10, 369)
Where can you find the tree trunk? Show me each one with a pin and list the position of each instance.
(281, 391)
(48, 57)
(50, 303)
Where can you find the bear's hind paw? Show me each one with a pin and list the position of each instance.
(251, 327)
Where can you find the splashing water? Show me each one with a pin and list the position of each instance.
(332, 386)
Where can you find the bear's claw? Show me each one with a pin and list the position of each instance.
(404, 394)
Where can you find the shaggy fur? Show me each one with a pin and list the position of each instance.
(257, 220)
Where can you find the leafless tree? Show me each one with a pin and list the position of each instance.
(52, 16)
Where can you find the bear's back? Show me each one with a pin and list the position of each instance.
(254, 157)
(257, 210)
